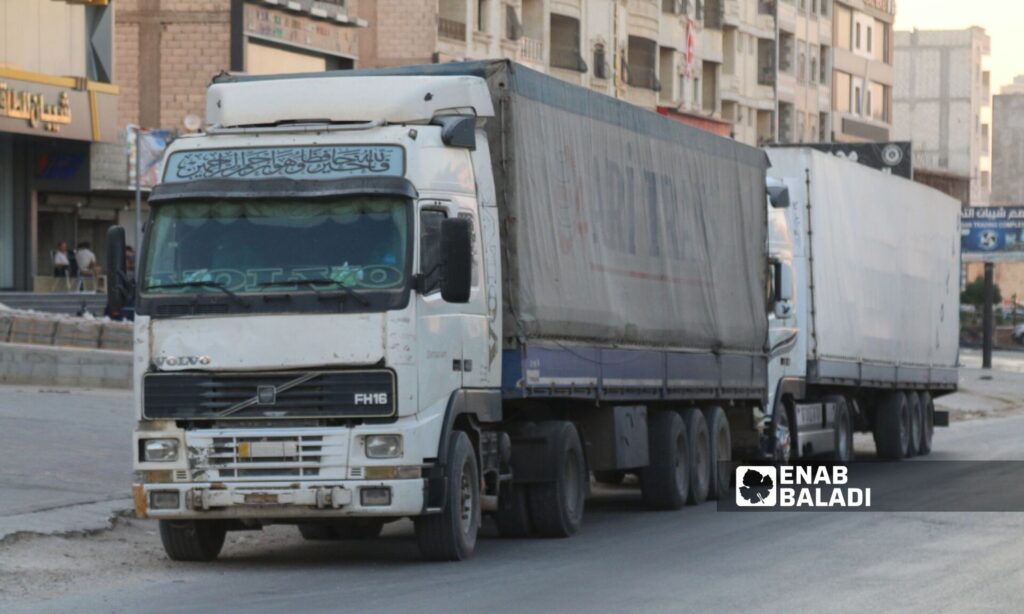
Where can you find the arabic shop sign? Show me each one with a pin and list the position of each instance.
(32, 107)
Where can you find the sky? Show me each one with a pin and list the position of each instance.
(1002, 19)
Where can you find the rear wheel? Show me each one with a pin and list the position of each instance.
(451, 534)
(924, 446)
(842, 427)
(556, 507)
(513, 515)
(192, 540)
(914, 407)
(700, 456)
(892, 427)
(720, 438)
(665, 481)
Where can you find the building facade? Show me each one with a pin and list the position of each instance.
(862, 70)
(664, 55)
(1008, 145)
(57, 108)
(804, 71)
(942, 103)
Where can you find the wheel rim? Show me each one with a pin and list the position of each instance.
(466, 500)
(783, 442)
(680, 465)
(573, 490)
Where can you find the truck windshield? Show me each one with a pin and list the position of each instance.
(357, 244)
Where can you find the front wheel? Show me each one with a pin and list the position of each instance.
(192, 540)
(451, 534)
(842, 428)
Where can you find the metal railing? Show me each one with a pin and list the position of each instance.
(449, 28)
(531, 50)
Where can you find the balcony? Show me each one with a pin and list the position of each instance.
(451, 29)
(531, 50)
(766, 76)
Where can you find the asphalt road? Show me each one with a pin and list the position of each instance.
(624, 559)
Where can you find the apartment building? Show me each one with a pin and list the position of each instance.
(1008, 145)
(943, 100)
(654, 53)
(862, 70)
(804, 73)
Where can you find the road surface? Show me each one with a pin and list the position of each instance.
(624, 559)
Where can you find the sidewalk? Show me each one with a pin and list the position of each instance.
(982, 393)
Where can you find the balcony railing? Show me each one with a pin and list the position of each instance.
(449, 28)
(766, 75)
(643, 77)
(568, 58)
(532, 50)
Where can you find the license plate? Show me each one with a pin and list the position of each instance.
(267, 449)
(261, 498)
(807, 415)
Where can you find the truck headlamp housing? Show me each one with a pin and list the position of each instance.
(160, 450)
(383, 446)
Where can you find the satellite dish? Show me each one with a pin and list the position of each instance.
(192, 122)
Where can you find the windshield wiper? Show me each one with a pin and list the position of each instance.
(200, 284)
(346, 292)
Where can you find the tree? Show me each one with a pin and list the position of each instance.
(974, 293)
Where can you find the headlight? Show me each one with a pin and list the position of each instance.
(160, 450)
(383, 446)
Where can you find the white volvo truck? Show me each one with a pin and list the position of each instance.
(447, 291)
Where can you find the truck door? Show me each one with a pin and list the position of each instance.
(439, 324)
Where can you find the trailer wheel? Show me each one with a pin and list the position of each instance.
(192, 540)
(665, 481)
(700, 456)
(914, 407)
(613, 477)
(513, 515)
(451, 534)
(892, 426)
(721, 451)
(927, 423)
(556, 508)
(842, 428)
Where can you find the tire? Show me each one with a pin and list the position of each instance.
(612, 478)
(914, 407)
(700, 456)
(842, 429)
(892, 427)
(513, 515)
(451, 534)
(665, 481)
(924, 446)
(556, 508)
(192, 540)
(720, 437)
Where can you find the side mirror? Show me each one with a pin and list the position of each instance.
(457, 259)
(783, 290)
(118, 284)
(778, 196)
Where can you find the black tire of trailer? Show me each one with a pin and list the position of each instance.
(892, 426)
(914, 408)
(720, 437)
(612, 477)
(556, 507)
(842, 428)
(513, 515)
(320, 531)
(192, 540)
(665, 481)
(451, 534)
(700, 456)
(924, 447)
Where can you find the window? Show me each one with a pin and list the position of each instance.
(474, 240)
(823, 59)
(513, 27)
(565, 43)
(869, 29)
(430, 248)
(600, 62)
(856, 38)
(482, 9)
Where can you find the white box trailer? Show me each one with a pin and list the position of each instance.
(875, 270)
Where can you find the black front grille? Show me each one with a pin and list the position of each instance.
(318, 394)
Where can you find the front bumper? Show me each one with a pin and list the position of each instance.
(274, 500)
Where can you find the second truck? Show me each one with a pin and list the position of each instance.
(447, 291)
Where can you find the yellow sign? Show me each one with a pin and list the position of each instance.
(32, 108)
